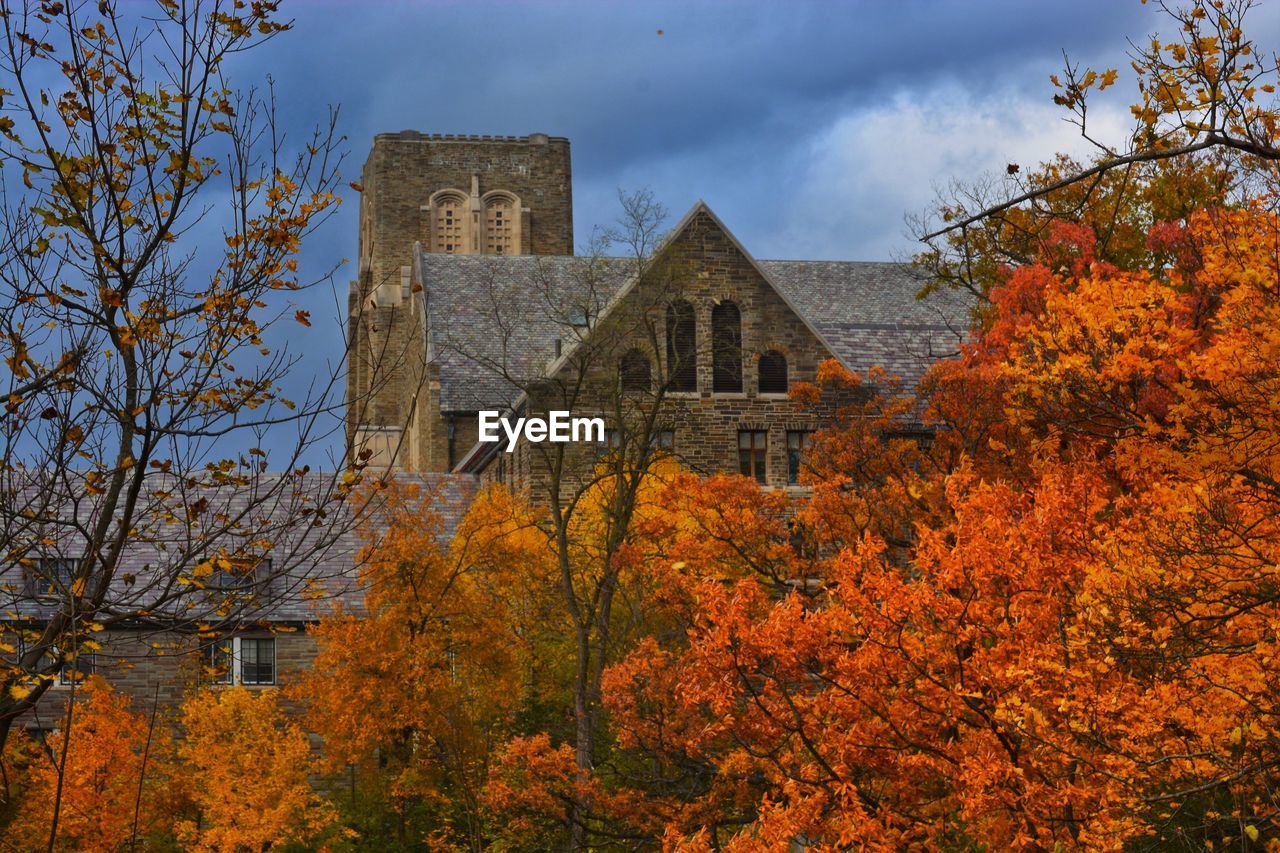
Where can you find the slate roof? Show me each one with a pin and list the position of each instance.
(492, 319)
(314, 546)
(491, 315)
(869, 314)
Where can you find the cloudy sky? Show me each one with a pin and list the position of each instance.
(812, 128)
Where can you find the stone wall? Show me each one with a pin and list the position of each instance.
(388, 386)
(703, 267)
(138, 663)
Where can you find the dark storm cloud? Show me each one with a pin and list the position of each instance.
(730, 91)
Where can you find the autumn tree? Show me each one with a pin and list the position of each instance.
(152, 217)
(1048, 623)
(247, 768)
(419, 686)
(609, 313)
(107, 780)
(1205, 134)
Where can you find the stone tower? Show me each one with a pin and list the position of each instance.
(448, 194)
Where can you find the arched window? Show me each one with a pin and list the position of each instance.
(726, 348)
(450, 224)
(682, 347)
(773, 373)
(634, 372)
(500, 226)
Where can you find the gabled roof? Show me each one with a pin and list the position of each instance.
(489, 315)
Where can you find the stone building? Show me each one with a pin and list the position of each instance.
(469, 298)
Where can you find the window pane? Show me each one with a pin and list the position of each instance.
(217, 662)
(797, 442)
(257, 661)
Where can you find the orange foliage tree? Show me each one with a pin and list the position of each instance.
(425, 679)
(98, 784)
(247, 769)
(1062, 634)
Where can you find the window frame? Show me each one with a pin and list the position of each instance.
(235, 656)
(795, 455)
(77, 665)
(45, 585)
(753, 458)
(240, 661)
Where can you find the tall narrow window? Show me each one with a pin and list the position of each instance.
(726, 348)
(797, 444)
(682, 347)
(773, 373)
(499, 227)
(635, 373)
(752, 446)
(451, 224)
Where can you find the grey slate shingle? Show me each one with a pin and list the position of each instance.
(492, 315)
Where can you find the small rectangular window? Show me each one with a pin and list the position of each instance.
(664, 439)
(77, 670)
(257, 660)
(238, 574)
(752, 445)
(53, 577)
(797, 444)
(612, 441)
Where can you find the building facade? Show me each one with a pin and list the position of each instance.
(470, 298)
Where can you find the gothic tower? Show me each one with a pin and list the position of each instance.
(447, 194)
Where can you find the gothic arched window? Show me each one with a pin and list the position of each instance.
(682, 347)
(450, 224)
(634, 372)
(773, 373)
(726, 348)
(500, 226)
